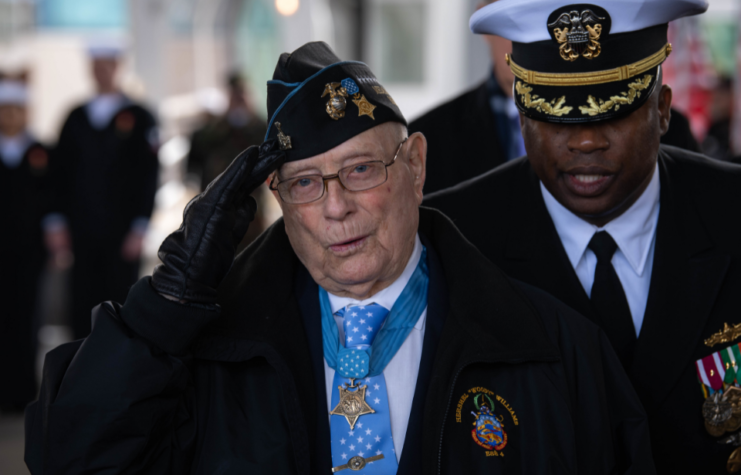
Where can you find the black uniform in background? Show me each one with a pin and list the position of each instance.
(463, 138)
(694, 288)
(107, 180)
(23, 201)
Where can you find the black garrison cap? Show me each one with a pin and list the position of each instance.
(317, 101)
(579, 62)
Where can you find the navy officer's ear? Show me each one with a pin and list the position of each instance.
(665, 108)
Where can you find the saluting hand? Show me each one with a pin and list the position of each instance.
(197, 256)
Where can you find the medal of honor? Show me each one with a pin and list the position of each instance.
(352, 404)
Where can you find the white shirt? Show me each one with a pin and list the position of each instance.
(634, 232)
(102, 108)
(401, 372)
(13, 148)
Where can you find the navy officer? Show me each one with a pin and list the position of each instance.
(634, 235)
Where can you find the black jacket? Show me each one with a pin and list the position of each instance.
(106, 178)
(462, 140)
(694, 285)
(160, 387)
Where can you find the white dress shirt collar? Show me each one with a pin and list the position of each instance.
(386, 297)
(633, 231)
(12, 149)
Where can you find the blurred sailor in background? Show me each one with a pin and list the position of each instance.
(24, 180)
(106, 176)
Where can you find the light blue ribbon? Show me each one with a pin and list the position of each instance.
(400, 321)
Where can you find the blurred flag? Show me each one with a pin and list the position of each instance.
(689, 72)
(736, 117)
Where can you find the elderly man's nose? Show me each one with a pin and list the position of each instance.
(587, 138)
(337, 205)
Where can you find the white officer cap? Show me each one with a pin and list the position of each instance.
(583, 62)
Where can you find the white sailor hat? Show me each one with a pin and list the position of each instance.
(583, 62)
(105, 48)
(13, 93)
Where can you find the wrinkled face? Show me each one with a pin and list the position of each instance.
(598, 170)
(12, 119)
(355, 243)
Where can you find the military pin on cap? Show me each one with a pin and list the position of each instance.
(283, 140)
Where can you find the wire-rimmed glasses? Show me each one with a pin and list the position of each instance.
(357, 177)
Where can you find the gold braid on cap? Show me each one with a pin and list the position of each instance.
(590, 78)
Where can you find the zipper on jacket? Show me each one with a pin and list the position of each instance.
(445, 417)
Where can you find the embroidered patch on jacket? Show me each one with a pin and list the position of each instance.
(486, 410)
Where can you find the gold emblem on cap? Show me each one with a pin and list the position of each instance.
(283, 140)
(337, 103)
(555, 107)
(593, 108)
(578, 37)
(364, 107)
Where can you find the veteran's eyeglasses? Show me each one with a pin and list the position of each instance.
(358, 177)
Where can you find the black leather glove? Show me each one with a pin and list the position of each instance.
(199, 254)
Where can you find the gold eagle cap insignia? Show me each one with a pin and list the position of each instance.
(578, 34)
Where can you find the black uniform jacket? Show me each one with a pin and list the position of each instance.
(160, 387)
(462, 140)
(106, 178)
(694, 284)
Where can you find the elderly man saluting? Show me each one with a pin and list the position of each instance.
(634, 235)
(359, 333)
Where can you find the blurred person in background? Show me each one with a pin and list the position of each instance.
(24, 180)
(223, 137)
(488, 116)
(717, 143)
(105, 181)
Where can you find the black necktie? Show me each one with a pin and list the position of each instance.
(609, 299)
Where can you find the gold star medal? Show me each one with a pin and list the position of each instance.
(364, 107)
(352, 404)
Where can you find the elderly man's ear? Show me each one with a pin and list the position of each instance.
(417, 157)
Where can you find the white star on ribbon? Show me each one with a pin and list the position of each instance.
(360, 439)
(354, 314)
(361, 453)
(370, 329)
(342, 441)
(352, 447)
(352, 433)
(362, 321)
(369, 314)
(378, 438)
(355, 329)
(376, 400)
(349, 338)
(344, 455)
(377, 387)
(368, 446)
(363, 337)
(360, 425)
(368, 432)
